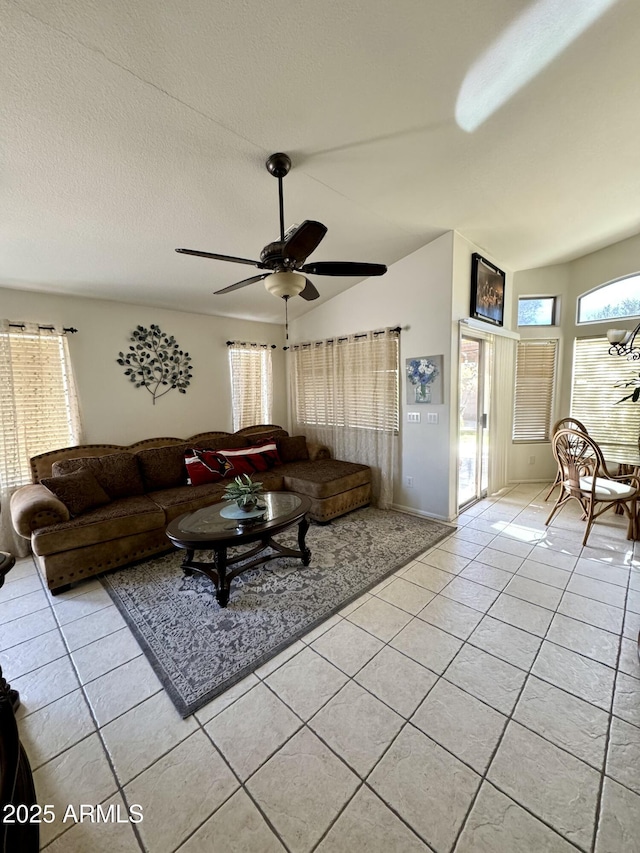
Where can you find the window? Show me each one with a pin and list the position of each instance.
(251, 384)
(596, 393)
(535, 384)
(611, 301)
(348, 383)
(38, 408)
(537, 311)
(345, 395)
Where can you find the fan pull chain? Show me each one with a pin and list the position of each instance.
(286, 321)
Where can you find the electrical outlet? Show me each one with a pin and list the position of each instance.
(413, 417)
(532, 460)
(432, 417)
(409, 482)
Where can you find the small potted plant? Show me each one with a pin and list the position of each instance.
(244, 492)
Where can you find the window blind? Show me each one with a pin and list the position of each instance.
(251, 385)
(36, 400)
(595, 396)
(535, 384)
(350, 383)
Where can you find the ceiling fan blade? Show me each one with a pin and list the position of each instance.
(343, 268)
(243, 283)
(309, 292)
(219, 257)
(304, 240)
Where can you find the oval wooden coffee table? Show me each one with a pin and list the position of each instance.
(208, 529)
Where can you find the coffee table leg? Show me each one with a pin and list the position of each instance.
(302, 532)
(188, 557)
(222, 592)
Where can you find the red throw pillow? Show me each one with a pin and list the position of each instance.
(205, 466)
(249, 460)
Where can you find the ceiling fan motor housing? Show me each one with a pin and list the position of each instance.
(272, 256)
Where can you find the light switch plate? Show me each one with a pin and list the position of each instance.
(432, 417)
(413, 417)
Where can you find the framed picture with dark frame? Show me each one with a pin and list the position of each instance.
(487, 291)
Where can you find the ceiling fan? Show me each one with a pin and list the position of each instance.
(284, 259)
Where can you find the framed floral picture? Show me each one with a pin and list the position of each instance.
(487, 291)
(424, 380)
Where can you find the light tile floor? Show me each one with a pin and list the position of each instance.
(484, 699)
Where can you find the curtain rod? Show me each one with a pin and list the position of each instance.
(396, 329)
(48, 328)
(250, 344)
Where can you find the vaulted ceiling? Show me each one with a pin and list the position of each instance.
(131, 128)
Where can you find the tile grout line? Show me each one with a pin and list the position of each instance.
(603, 773)
(495, 752)
(241, 784)
(407, 721)
(305, 724)
(352, 679)
(119, 787)
(404, 654)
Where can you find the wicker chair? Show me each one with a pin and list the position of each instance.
(564, 423)
(585, 478)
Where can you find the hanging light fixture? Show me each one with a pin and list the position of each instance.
(623, 343)
(285, 283)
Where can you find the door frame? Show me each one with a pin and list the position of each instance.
(483, 398)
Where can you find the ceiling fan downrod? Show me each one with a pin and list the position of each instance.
(278, 165)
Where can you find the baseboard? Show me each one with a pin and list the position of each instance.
(411, 511)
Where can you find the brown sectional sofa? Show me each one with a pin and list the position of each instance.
(146, 488)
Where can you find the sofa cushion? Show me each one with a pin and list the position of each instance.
(163, 467)
(218, 441)
(249, 460)
(117, 473)
(205, 466)
(324, 478)
(119, 518)
(79, 491)
(292, 448)
(261, 431)
(175, 502)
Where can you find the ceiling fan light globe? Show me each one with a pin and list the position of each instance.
(285, 284)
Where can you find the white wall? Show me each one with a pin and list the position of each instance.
(113, 410)
(415, 294)
(546, 281)
(568, 281)
(461, 305)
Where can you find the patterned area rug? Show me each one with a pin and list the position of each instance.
(199, 649)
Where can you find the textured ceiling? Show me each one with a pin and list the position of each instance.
(130, 128)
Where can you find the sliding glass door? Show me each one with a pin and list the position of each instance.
(473, 397)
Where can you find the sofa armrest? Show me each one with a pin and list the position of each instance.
(318, 451)
(33, 507)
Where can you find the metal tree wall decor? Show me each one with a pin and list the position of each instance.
(156, 362)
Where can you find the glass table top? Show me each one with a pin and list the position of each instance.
(209, 520)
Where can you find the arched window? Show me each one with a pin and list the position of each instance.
(613, 300)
